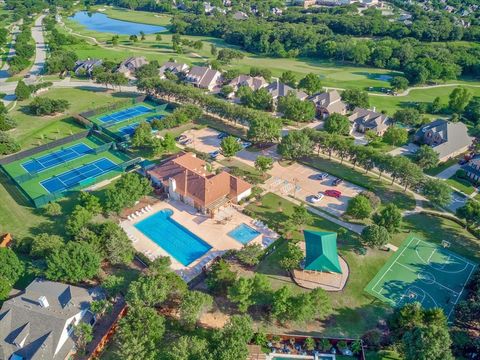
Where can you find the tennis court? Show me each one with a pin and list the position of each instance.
(125, 114)
(75, 176)
(422, 272)
(56, 158)
(130, 128)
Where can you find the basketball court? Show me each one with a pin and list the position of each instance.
(422, 272)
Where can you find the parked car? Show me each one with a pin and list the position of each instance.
(214, 154)
(337, 181)
(462, 161)
(333, 193)
(246, 144)
(316, 198)
(321, 176)
(187, 142)
(222, 135)
(181, 137)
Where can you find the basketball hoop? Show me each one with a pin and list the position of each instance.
(445, 244)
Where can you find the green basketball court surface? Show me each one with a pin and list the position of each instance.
(422, 272)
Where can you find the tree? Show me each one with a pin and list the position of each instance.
(45, 106)
(300, 216)
(115, 40)
(44, 244)
(281, 303)
(74, 262)
(213, 50)
(117, 246)
(337, 124)
(311, 83)
(309, 344)
(426, 157)
(53, 209)
(264, 130)
(7, 144)
(295, 109)
(12, 268)
(126, 191)
(231, 342)
(390, 217)
(132, 341)
(359, 207)
(90, 202)
(265, 73)
(241, 294)
(399, 83)
(100, 307)
(263, 163)
(289, 78)
(295, 145)
(84, 334)
(143, 135)
(470, 212)
(226, 90)
(230, 146)
(407, 117)
(220, 277)
(250, 254)
(188, 348)
(22, 91)
(194, 303)
(458, 99)
(78, 219)
(375, 236)
(395, 136)
(427, 343)
(355, 98)
(5, 288)
(292, 258)
(472, 110)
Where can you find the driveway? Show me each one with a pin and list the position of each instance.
(4, 74)
(449, 172)
(40, 47)
(205, 140)
(300, 181)
(408, 149)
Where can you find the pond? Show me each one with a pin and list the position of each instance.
(102, 23)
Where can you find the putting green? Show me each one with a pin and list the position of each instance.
(422, 272)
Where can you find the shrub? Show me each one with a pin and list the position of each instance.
(461, 174)
(250, 254)
(46, 106)
(7, 144)
(7, 123)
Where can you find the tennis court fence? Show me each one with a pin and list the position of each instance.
(107, 108)
(129, 163)
(103, 148)
(39, 149)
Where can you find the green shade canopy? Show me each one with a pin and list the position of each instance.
(321, 250)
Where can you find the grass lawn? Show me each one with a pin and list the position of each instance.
(440, 167)
(463, 185)
(382, 355)
(354, 310)
(35, 130)
(143, 17)
(382, 188)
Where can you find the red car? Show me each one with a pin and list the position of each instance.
(333, 193)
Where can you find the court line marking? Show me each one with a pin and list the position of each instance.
(464, 261)
(461, 292)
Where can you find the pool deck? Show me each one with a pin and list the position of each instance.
(212, 231)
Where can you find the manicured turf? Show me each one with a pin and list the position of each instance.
(33, 187)
(463, 185)
(422, 272)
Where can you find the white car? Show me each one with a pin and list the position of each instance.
(316, 198)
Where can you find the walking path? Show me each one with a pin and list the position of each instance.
(40, 47)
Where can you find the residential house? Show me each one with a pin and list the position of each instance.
(253, 83)
(446, 138)
(129, 66)
(239, 15)
(278, 89)
(364, 120)
(204, 77)
(39, 322)
(173, 67)
(328, 103)
(85, 67)
(186, 178)
(472, 168)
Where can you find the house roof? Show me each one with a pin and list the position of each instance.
(279, 89)
(173, 66)
(321, 251)
(253, 83)
(454, 135)
(370, 119)
(330, 101)
(203, 76)
(36, 328)
(132, 63)
(193, 180)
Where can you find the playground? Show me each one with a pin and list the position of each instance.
(422, 272)
(45, 174)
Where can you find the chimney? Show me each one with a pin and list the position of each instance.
(43, 301)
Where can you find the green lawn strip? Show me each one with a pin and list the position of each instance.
(462, 185)
(143, 17)
(382, 355)
(443, 166)
(382, 188)
(246, 170)
(354, 310)
(434, 229)
(33, 131)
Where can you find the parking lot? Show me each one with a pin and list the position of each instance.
(205, 140)
(301, 181)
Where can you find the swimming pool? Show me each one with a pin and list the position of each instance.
(243, 233)
(172, 237)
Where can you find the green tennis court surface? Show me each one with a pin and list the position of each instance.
(422, 272)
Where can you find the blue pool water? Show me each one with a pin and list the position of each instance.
(102, 23)
(172, 237)
(243, 233)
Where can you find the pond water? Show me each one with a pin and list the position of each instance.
(102, 23)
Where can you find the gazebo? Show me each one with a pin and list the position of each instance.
(322, 267)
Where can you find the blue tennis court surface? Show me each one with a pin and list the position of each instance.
(130, 129)
(125, 114)
(73, 177)
(56, 158)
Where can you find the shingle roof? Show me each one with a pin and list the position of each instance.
(279, 89)
(173, 66)
(24, 321)
(370, 119)
(132, 63)
(330, 101)
(253, 83)
(203, 76)
(321, 251)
